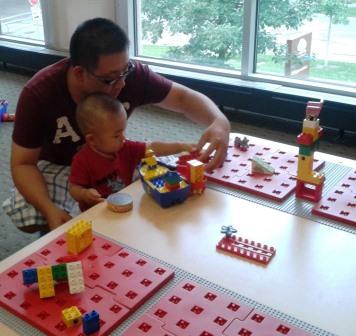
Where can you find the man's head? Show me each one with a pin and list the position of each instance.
(94, 38)
(99, 58)
(102, 120)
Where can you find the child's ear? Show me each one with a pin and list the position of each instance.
(89, 138)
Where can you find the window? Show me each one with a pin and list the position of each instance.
(308, 42)
(192, 32)
(21, 19)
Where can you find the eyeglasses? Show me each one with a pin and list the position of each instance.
(130, 68)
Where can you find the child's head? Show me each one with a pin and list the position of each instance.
(102, 120)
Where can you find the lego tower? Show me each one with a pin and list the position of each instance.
(309, 183)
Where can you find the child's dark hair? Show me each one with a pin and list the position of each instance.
(95, 108)
(93, 38)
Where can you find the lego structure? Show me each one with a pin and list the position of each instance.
(117, 282)
(244, 248)
(340, 203)
(191, 309)
(235, 172)
(166, 187)
(309, 182)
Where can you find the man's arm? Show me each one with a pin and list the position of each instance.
(31, 184)
(200, 109)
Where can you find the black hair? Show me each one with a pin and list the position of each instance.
(94, 108)
(93, 38)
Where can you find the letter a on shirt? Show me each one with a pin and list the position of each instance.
(64, 129)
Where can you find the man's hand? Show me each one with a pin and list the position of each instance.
(56, 217)
(217, 135)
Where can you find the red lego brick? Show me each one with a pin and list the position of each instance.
(192, 309)
(147, 326)
(340, 203)
(262, 325)
(117, 281)
(247, 249)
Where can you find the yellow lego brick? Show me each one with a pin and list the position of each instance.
(79, 237)
(45, 281)
(305, 170)
(71, 316)
(197, 170)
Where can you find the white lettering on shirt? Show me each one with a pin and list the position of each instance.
(64, 129)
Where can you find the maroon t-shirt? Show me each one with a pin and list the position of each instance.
(92, 170)
(45, 114)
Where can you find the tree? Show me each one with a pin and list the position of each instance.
(336, 11)
(215, 27)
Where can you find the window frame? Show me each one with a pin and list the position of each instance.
(126, 13)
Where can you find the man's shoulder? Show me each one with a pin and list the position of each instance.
(54, 74)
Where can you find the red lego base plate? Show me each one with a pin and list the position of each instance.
(117, 282)
(191, 309)
(236, 171)
(247, 249)
(340, 203)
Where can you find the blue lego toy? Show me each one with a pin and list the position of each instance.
(228, 231)
(3, 108)
(165, 186)
(91, 322)
(29, 276)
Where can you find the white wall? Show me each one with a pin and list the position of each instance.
(61, 17)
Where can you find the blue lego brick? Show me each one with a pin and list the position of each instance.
(29, 276)
(91, 322)
(158, 182)
(3, 108)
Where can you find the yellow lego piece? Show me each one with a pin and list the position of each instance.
(305, 171)
(45, 281)
(79, 237)
(71, 316)
(197, 170)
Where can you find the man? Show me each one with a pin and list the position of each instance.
(46, 135)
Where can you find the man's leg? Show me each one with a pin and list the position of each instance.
(24, 215)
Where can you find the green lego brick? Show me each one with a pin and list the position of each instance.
(305, 150)
(59, 272)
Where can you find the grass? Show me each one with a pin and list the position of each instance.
(352, 12)
(339, 71)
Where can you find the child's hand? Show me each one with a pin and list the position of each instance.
(91, 196)
(186, 147)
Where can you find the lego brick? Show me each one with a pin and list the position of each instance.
(79, 237)
(340, 203)
(262, 325)
(71, 316)
(45, 281)
(91, 322)
(192, 309)
(59, 272)
(106, 267)
(75, 277)
(248, 249)
(29, 276)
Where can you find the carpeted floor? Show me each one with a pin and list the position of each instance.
(147, 123)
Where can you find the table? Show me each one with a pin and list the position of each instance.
(312, 277)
